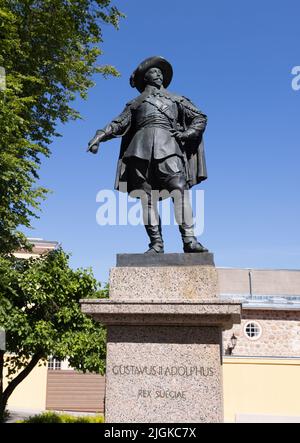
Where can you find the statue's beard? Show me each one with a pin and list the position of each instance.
(157, 83)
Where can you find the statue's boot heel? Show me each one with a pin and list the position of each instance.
(190, 244)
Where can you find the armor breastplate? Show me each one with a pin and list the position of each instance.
(155, 111)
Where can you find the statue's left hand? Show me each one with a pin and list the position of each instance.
(180, 136)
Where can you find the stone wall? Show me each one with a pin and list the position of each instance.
(280, 334)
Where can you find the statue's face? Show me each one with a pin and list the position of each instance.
(154, 77)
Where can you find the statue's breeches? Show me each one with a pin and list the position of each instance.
(161, 179)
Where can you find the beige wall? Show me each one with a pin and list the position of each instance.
(280, 334)
(233, 281)
(264, 282)
(261, 387)
(31, 393)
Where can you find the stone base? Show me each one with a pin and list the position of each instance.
(163, 375)
(177, 313)
(164, 344)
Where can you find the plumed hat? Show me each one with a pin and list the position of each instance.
(137, 77)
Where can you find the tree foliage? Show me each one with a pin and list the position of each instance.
(40, 312)
(49, 49)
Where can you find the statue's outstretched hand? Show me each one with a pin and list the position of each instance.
(93, 148)
(93, 145)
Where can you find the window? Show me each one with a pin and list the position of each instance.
(54, 364)
(252, 330)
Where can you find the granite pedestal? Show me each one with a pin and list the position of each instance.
(164, 343)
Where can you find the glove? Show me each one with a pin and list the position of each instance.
(183, 136)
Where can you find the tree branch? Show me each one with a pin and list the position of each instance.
(20, 377)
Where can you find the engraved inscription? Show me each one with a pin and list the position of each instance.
(173, 371)
(162, 393)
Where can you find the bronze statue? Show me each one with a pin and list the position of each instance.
(161, 149)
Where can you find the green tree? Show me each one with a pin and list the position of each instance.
(40, 312)
(49, 49)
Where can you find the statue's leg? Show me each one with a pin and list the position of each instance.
(152, 220)
(175, 183)
(139, 172)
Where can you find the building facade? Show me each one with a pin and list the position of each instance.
(270, 324)
(262, 363)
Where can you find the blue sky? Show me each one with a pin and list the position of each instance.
(234, 60)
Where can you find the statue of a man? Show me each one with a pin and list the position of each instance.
(161, 150)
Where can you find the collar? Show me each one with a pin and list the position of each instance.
(153, 90)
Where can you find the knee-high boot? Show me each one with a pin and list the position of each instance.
(186, 227)
(156, 245)
(190, 242)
